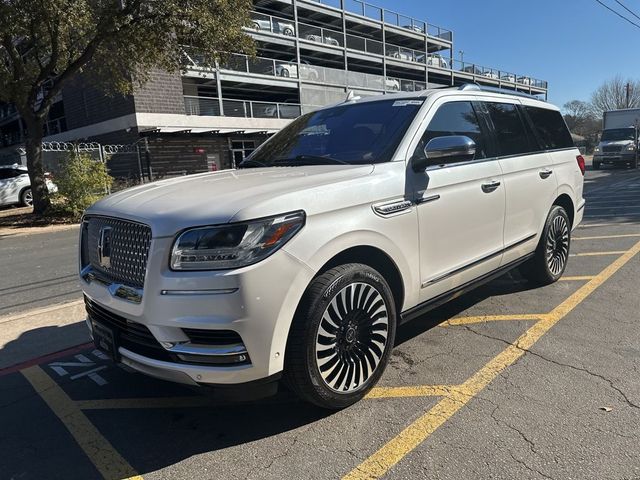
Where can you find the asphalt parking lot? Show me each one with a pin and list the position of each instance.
(506, 382)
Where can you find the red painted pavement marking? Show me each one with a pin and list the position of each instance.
(44, 358)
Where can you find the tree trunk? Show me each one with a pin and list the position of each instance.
(33, 145)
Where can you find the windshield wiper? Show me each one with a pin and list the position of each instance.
(309, 160)
(245, 163)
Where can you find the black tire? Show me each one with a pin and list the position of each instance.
(551, 255)
(350, 310)
(26, 197)
(288, 32)
(596, 165)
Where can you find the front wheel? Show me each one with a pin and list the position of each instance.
(26, 198)
(552, 253)
(341, 337)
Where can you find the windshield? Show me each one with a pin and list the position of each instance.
(617, 134)
(356, 133)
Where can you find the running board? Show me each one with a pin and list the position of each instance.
(445, 297)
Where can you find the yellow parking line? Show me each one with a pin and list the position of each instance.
(597, 254)
(101, 453)
(124, 403)
(489, 318)
(576, 278)
(606, 237)
(417, 432)
(415, 391)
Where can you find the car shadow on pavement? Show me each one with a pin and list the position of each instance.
(40, 341)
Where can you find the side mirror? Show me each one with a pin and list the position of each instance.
(456, 148)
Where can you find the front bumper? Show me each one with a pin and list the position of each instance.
(621, 157)
(256, 302)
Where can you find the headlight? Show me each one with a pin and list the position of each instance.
(596, 150)
(234, 245)
(631, 148)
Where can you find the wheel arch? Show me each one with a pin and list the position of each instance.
(22, 190)
(378, 260)
(565, 201)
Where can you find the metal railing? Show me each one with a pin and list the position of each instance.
(390, 17)
(210, 106)
(320, 35)
(363, 44)
(498, 75)
(402, 53)
(261, 66)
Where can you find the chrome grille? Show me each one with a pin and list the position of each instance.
(612, 148)
(129, 249)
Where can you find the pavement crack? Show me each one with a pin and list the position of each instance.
(611, 384)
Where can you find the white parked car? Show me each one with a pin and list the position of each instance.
(392, 84)
(290, 69)
(283, 28)
(300, 265)
(401, 55)
(491, 74)
(15, 186)
(509, 78)
(434, 60)
(525, 81)
(319, 39)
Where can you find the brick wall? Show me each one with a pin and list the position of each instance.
(161, 94)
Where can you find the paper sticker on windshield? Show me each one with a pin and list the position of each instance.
(404, 103)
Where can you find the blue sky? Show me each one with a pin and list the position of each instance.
(573, 44)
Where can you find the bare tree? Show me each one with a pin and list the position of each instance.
(615, 94)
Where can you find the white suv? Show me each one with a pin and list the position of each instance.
(353, 219)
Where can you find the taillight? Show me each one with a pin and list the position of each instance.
(581, 164)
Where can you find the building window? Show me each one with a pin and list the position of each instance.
(241, 149)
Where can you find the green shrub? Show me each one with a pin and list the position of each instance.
(81, 182)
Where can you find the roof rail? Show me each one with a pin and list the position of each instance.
(482, 88)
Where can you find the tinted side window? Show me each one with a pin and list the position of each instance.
(454, 118)
(511, 134)
(550, 128)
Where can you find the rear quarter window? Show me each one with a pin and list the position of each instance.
(550, 128)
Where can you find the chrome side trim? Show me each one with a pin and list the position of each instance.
(216, 351)
(118, 290)
(392, 208)
(476, 262)
(430, 198)
(212, 291)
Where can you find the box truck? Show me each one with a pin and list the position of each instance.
(619, 141)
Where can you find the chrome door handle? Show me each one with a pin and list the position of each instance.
(490, 186)
(546, 173)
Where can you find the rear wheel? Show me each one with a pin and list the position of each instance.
(550, 258)
(26, 198)
(341, 336)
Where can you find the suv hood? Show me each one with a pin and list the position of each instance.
(169, 206)
(621, 143)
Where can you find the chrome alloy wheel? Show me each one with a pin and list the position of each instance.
(557, 248)
(352, 337)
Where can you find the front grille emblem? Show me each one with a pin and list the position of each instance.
(104, 247)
